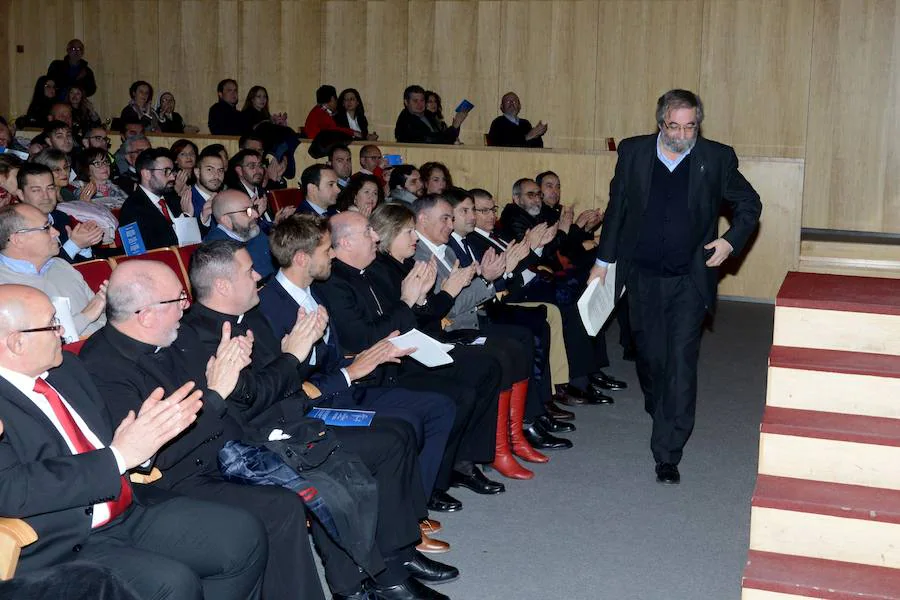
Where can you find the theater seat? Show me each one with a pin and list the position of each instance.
(95, 272)
(184, 255)
(279, 199)
(15, 534)
(74, 347)
(170, 256)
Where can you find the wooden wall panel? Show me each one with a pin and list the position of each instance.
(344, 64)
(646, 47)
(574, 170)
(853, 140)
(548, 56)
(750, 49)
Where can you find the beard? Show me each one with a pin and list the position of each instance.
(533, 210)
(678, 146)
(247, 233)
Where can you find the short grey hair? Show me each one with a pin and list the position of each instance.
(678, 99)
(125, 298)
(211, 261)
(517, 186)
(427, 202)
(11, 220)
(131, 139)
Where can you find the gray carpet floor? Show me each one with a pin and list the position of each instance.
(594, 524)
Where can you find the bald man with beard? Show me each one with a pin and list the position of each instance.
(237, 219)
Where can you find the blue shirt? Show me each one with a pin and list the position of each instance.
(23, 266)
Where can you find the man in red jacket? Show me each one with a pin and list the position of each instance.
(321, 117)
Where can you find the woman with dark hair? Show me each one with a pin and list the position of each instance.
(84, 117)
(140, 105)
(169, 120)
(185, 153)
(94, 183)
(278, 138)
(435, 177)
(9, 168)
(405, 184)
(352, 114)
(42, 99)
(362, 194)
(433, 105)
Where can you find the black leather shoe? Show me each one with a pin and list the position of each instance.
(551, 425)
(477, 482)
(570, 395)
(542, 440)
(604, 381)
(595, 395)
(430, 571)
(362, 594)
(558, 412)
(411, 589)
(667, 473)
(443, 502)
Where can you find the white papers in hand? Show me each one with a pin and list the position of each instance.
(64, 314)
(429, 351)
(598, 301)
(186, 230)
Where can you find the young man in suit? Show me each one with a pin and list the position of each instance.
(210, 174)
(661, 229)
(320, 190)
(65, 470)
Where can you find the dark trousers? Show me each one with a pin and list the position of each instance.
(522, 330)
(183, 548)
(388, 449)
(290, 570)
(68, 581)
(472, 381)
(431, 416)
(667, 322)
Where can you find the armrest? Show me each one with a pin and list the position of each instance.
(144, 479)
(311, 390)
(14, 535)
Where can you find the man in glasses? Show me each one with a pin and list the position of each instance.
(28, 248)
(153, 205)
(72, 68)
(661, 228)
(65, 469)
(237, 219)
(125, 159)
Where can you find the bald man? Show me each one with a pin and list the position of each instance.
(510, 130)
(141, 349)
(63, 470)
(29, 245)
(237, 219)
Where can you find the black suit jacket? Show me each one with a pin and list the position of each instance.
(156, 230)
(41, 481)
(504, 132)
(411, 130)
(714, 180)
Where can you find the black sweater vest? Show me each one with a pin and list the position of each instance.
(664, 244)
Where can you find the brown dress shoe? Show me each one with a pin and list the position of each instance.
(430, 526)
(432, 546)
(570, 395)
(558, 412)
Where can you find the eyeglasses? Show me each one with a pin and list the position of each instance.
(247, 211)
(485, 211)
(166, 171)
(182, 299)
(98, 138)
(99, 163)
(45, 227)
(54, 325)
(689, 128)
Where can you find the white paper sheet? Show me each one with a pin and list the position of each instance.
(64, 314)
(598, 301)
(187, 231)
(429, 351)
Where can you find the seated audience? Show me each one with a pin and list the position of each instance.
(224, 118)
(362, 194)
(153, 204)
(141, 106)
(210, 175)
(185, 154)
(435, 177)
(65, 473)
(128, 127)
(510, 130)
(320, 190)
(169, 120)
(131, 149)
(61, 111)
(352, 114)
(219, 149)
(9, 169)
(38, 188)
(28, 257)
(371, 159)
(434, 105)
(340, 159)
(43, 97)
(274, 178)
(272, 128)
(246, 173)
(405, 184)
(237, 219)
(418, 125)
(94, 183)
(59, 137)
(256, 109)
(577, 230)
(321, 116)
(71, 70)
(84, 116)
(58, 162)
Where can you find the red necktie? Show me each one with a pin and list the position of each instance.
(164, 209)
(82, 444)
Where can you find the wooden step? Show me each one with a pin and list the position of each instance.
(772, 576)
(826, 520)
(835, 312)
(831, 447)
(834, 381)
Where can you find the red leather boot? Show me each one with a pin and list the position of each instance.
(520, 445)
(504, 461)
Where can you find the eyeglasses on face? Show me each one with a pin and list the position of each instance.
(689, 128)
(166, 171)
(54, 325)
(99, 163)
(247, 211)
(45, 227)
(485, 211)
(182, 299)
(98, 138)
